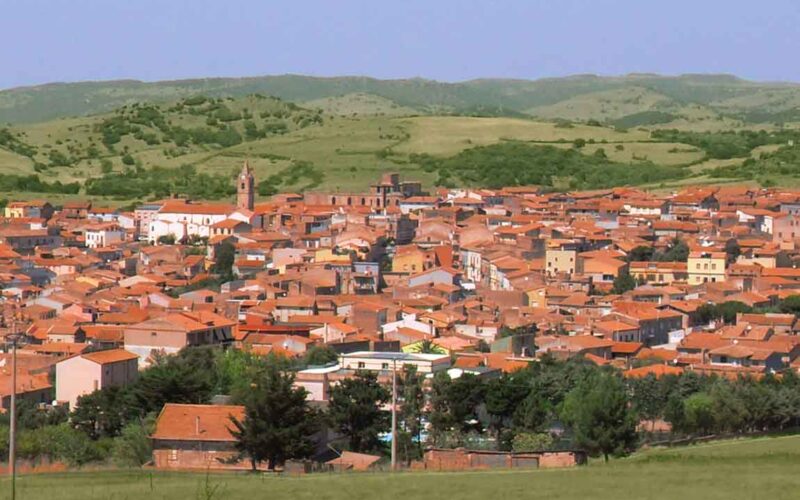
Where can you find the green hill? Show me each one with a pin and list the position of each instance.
(576, 97)
(194, 145)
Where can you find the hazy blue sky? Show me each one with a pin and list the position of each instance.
(69, 40)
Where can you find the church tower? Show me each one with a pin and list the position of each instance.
(245, 188)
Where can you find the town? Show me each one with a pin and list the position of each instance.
(484, 322)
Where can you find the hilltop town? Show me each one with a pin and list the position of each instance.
(480, 287)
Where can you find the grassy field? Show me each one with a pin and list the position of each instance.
(741, 469)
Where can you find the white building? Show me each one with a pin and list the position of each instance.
(103, 234)
(183, 219)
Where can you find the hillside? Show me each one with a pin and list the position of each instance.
(193, 146)
(580, 97)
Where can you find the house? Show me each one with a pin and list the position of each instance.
(103, 234)
(171, 333)
(182, 219)
(31, 209)
(659, 272)
(383, 361)
(83, 374)
(561, 262)
(704, 267)
(197, 437)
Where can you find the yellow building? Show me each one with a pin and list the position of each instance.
(705, 267)
(15, 211)
(658, 272)
(559, 261)
(410, 259)
(327, 255)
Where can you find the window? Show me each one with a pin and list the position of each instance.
(384, 366)
(713, 267)
(361, 364)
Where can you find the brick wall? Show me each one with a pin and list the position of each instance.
(461, 459)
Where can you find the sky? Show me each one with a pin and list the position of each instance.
(448, 40)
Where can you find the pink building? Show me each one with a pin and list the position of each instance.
(86, 373)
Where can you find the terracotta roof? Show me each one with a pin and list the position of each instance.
(110, 356)
(183, 422)
(656, 370)
(355, 461)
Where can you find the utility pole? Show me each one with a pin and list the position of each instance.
(12, 429)
(394, 415)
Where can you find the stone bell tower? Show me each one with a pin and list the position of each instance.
(245, 188)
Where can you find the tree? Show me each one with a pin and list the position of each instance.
(597, 412)
(725, 311)
(455, 405)
(528, 442)
(234, 369)
(411, 413)
(224, 258)
(187, 377)
(320, 355)
(533, 413)
(166, 239)
(427, 346)
(622, 283)
(641, 254)
(728, 409)
(677, 252)
(503, 396)
(698, 414)
(106, 167)
(790, 305)
(355, 411)
(133, 447)
(278, 422)
(103, 413)
(732, 250)
(647, 396)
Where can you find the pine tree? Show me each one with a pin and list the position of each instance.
(355, 411)
(597, 412)
(411, 412)
(278, 422)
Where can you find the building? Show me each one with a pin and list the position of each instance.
(103, 234)
(83, 374)
(197, 437)
(706, 267)
(245, 189)
(382, 361)
(561, 262)
(171, 333)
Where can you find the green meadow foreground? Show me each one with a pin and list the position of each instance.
(751, 468)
